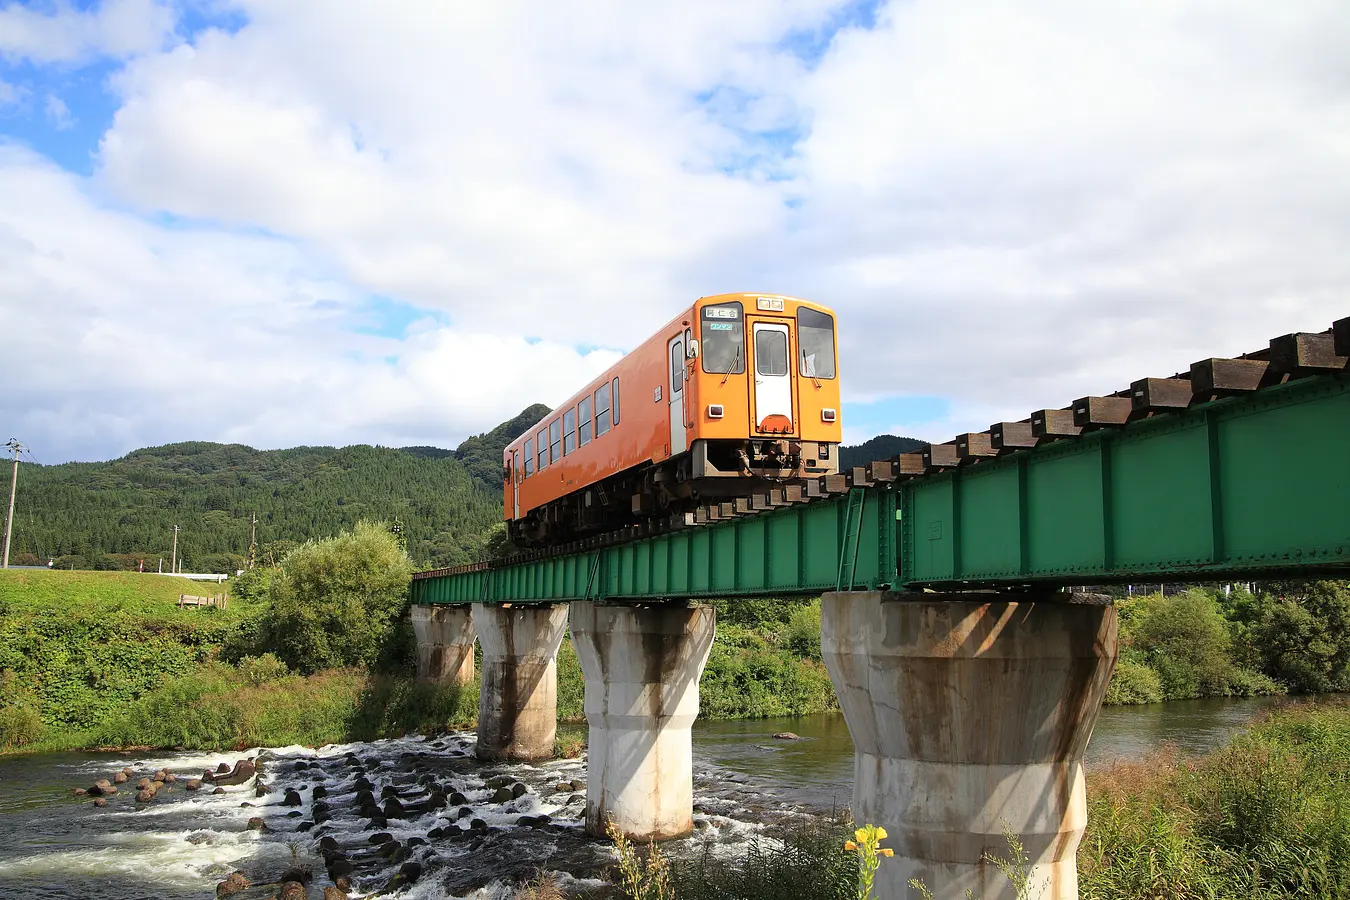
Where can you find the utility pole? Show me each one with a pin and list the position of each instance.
(173, 564)
(15, 447)
(252, 539)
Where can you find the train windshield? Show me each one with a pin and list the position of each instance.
(815, 340)
(723, 339)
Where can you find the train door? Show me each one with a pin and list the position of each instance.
(678, 438)
(516, 475)
(772, 393)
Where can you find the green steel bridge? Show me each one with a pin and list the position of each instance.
(1236, 470)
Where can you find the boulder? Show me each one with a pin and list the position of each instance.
(293, 890)
(143, 784)
(194, 784)
(222, 768)
(393, 809)
(80, 792)
(233, 884)
(292, 798)
(145, 796)
(343, 884)
(563, 787)
(457, 799)
(578, 785)
(518, 790)
(219, 790)
(786, 736)
(100, 802)
(340, 867)
(128, 771)
(328, 843)
(302, 874)
(381, 837)
(332, 893)
(499, 781)
(319, 792)
(502, 795)
(257, 824)
(242, 771)
(120, 778)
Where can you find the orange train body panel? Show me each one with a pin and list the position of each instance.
(766, 362)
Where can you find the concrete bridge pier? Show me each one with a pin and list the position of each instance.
(642, 667)
(970, 713)
(518, 698)
(445, 638)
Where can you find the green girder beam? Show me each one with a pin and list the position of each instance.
(1242, 487)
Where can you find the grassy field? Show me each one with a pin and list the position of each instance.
(30, 590)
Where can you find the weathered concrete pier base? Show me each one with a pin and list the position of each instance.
(969, 714)
(518, 698)
(445, 638)
(642, 666)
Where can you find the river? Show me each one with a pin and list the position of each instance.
(57, 847)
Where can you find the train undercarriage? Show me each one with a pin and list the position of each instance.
(709, 471)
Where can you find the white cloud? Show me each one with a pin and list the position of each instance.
(117, 28)
(1009, 206)
(58, 113)
(9, 94)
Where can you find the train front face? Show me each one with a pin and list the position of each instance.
(764, 390)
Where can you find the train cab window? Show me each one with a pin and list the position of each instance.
(584, 414)
(555, 440)
(723, 339)
(569, 431)
(602, 410)
(615, 410)
(543, 448)
(529, 458)
(815, 343)
(771, 353)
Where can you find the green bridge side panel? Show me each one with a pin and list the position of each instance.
(932, 555)
(1160, 497)
(1065, 529)
(990, 527)
(1285, 477)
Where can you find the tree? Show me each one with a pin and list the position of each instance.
(338, 602)
(1185, 639)
(1303, 637)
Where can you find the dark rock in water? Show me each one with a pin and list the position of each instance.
(120, 778)
(519, 790)
(260, 788)
(101, 787)
(222, 768)
(478, 825)
(218, 790)
(526, 821)
(410, 872)
(381, 837)
(389, 849)
(562, 787)
(787, 736)
(332, 893)
(233, 884)
(100, 802)
(377, 822)
(208, 775)
(145, 796)
(578, 784)
(340, 867)
(80, 792)
(305, 826)
(343, 884)
(201, 837)
(457, 799)
(194, 784)
(170, 778)
(436, 834)
(365, 798)
(292, 798)
(328, 843)
(128, 771)
(257, 824)
(394, 809)
(243, 771)
(143, 784)
(162, 775)
(293, 890)
(294, 814)
(498, 781)
(414, 842)
(302, 874)
(319, 792)
(389, 792)
(503, 795)
(463, 813)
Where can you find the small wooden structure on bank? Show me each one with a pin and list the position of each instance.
(215, 600)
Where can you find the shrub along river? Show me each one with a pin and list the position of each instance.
(450, 829)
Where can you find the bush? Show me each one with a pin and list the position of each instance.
(802, 633)
(1303, 637)
(258, 670)
(337, 602)
(1185, 639)
(1134, 682)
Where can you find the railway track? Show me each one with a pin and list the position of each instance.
(1287, 358)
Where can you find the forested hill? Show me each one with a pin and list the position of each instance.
(110, 514)
(883, 446)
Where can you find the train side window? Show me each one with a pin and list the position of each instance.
(529, 458)
(584, 414)
(602, 410)
(815, 343)
(555, 440)
(722, 335)
(543, 449)
(569, 431)
(615, 410)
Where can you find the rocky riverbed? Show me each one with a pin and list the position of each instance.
(413, 818)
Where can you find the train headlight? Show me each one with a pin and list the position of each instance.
(827, 415)
(715, 411)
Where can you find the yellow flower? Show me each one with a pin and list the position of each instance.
(849, 845)
(885, 851)
(881, 833)
(861, 835)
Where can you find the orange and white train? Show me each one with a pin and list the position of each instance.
(738, 392)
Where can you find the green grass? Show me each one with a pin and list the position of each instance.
(108, 593)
